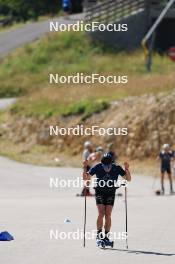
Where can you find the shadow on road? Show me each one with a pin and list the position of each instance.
(143, 252)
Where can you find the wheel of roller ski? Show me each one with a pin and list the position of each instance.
(110, 244)
(101, 243)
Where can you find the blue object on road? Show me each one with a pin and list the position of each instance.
(66, 3)
(5, 236)
(67, 221)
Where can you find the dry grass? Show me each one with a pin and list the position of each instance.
(137, 85)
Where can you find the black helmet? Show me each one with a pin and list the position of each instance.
(107, 159)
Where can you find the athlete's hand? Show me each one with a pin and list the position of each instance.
(85, 164)
(126, 164)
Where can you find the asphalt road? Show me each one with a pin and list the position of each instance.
(16, 37)
(4, 103)
(30, 209)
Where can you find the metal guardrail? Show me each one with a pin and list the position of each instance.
(151, 33)
(158, 3)
(88, 3)
(169, 4)
(113, 10)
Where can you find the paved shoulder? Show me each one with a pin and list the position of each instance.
(5, 103)
(31, 31)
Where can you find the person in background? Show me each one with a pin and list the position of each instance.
(88, 150)
(165, 157)
(95, 157)
(66, 5)
(112, 152)
(92, 159)
(173, 163)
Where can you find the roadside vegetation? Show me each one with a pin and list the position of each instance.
(25, 73)
(22, 10)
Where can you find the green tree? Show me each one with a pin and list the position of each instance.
(26, 9)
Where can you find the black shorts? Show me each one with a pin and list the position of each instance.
(166, 169)
(105, 199)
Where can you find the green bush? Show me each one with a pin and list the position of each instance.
(86, 108)
(22, 10)
(45, 108)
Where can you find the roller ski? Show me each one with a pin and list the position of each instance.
(172, 192)
(108, 243)
(103, 243)
(100, 243)
(159, 193)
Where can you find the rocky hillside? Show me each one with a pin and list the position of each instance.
(150, 120)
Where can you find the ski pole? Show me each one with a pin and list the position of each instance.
(84, 243)
(126, 216)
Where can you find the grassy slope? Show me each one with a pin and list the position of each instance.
(25, 73)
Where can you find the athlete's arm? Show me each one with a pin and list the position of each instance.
(127, 172)
(172, 156)
(158, 158)
(86, 175)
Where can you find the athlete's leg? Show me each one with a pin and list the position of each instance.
(108, 211)
(162, 181)
(171, 181)
(101, 213)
